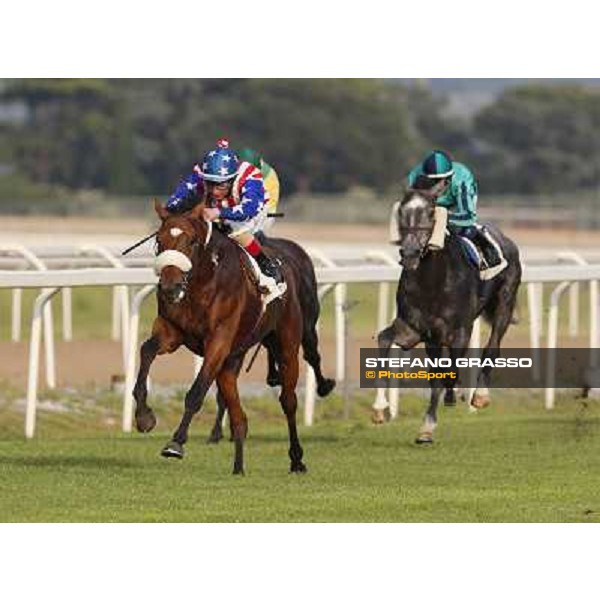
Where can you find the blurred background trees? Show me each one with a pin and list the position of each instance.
(325, 136)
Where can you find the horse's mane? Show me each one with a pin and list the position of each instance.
(410, 192)
(423, 183)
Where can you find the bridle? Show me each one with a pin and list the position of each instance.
(178, 259)
(194, 251)
(404, 230)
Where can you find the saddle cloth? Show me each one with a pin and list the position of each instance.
(475, 255)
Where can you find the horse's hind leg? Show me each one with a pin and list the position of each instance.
(289, 369)
(164, 339)
(273, 376)
(216, 434)
(500, 313)
(310, 348)
(430, 420)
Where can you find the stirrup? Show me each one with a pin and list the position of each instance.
(491, 272)
(272, 268)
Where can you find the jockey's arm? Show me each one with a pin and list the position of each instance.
(252, 198)
(186, 194)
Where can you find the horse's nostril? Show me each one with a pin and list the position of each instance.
(178, 292)
(172, 292)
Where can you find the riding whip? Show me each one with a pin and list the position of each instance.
(128, 250)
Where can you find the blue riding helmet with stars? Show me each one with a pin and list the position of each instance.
(220, 164)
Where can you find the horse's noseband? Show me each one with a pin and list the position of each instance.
(172, 258)
(414, 229)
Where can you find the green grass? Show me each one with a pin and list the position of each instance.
(513, 462)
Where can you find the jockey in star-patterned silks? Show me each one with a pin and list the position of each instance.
(456, 207)
(235, 194)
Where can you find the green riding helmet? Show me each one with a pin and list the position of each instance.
(438, 165)
(252, 156)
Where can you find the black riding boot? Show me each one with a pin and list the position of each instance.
(260, 237)
(270, 267)
(490, 254)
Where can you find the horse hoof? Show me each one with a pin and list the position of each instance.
(380, 416)
(145, 421)
(298, 468)
(238, 471)
(273, 381)
(424, 438)
(325, 388)
(215, 437)
(450, 402)
(480, 400)
(172, 450)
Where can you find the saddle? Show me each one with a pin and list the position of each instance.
(482, 251)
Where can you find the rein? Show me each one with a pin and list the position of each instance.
(195, 246)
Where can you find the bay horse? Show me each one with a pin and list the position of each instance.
(209, 301)
(440, 295)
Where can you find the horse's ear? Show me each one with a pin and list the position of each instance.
(161, 211)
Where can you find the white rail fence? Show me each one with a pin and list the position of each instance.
(13, 256)
(329, 276)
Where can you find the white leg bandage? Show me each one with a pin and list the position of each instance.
(438, 234)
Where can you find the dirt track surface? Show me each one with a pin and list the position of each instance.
(102, 361)
(40, 230)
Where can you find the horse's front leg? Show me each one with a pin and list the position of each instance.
(399, 333)
(458, 349)
(165, 338)
(215, 354)
(227, 383)
(430, 420)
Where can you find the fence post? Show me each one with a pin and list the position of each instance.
(34, 355)
(132, 339)
(37, 264)
(552, 339)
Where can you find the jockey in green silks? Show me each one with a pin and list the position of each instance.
(458, 187)
(456, 208)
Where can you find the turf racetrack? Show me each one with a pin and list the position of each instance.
(512, 462)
